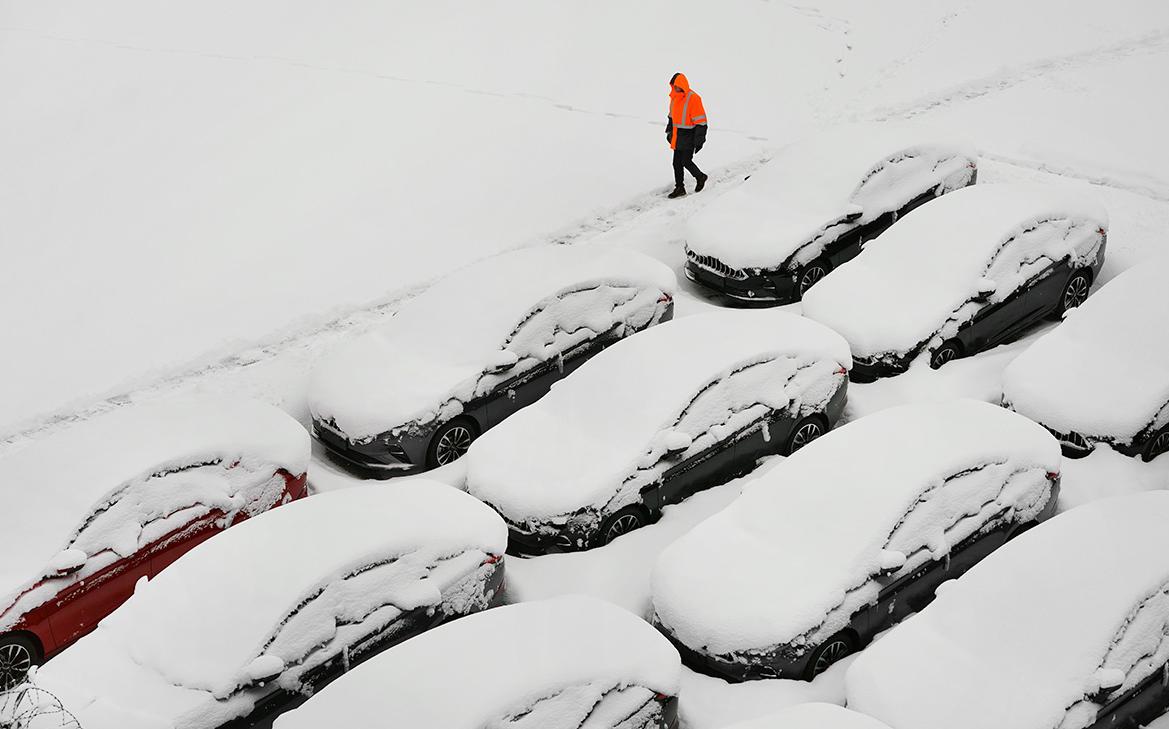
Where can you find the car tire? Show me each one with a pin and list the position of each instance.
(951, 349)
(811, 274)
(451, 441)
(829, 652)
(18, 653)
(804, 432)
(621, 522)
(1157, 445)
(1074, 293)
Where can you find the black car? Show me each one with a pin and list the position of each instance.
(963, 274)
(476, 347)
(812, 208)
(851, 535)
(655, 419)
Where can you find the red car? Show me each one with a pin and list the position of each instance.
(95, 508)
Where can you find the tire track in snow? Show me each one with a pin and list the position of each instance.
(1146, 43)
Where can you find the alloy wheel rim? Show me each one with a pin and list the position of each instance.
(623, 525)
(832, 653)
(811, 277)
(453, 445)
(1076, 293)
(807, 433)
(944, 355)
(15, 662)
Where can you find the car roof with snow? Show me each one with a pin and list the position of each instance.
(821, 520)
(445, 337)
(812, 184)
(1031, 630)
(60, 480)
(926, 269)
(233, 595)
(576, 446)
(1103, 371)
(812, 715)
(496, 663)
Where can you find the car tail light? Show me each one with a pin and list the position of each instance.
(842, 371)
(971, 165)
(1053, 475)
(662, 697)
(665, 299)
(1101, 232)
(493, 558)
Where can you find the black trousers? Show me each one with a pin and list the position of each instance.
(684, 160)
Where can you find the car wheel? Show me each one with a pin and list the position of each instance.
(829, 652)
(18, 654)
(1075, 292)
(811, 274)
(621, 522)
(451, 442)
(1157, 445)
(949, 350)
(805, 431)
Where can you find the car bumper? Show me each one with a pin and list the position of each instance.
(761, 289)
(734, 670)
(372, 459)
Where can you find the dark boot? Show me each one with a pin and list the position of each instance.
(678, 192)
(701, 183)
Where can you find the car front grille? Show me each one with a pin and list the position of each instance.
(1073, 441)
(712, 264)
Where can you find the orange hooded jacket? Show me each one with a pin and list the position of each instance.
(686, 111)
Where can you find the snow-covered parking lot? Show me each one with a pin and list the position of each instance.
(206, 201)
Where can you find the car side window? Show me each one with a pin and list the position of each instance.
(1029, 255)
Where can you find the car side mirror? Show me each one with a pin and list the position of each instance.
(677, 442)
(264, 668)
(502, 361)
(986, 289)
(889, 561)
(854, 215)
(66, 562)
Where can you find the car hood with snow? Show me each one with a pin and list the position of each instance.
(439, 350)
(815, 185)
(1023, 639)
(266, 599)
(500, 663)
(102, 474)
(1103, 372)
(924, 278)
(795, 555)
(598, 435)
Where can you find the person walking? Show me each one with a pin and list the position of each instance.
(686, 132)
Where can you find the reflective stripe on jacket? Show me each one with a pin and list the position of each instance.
(686, 111)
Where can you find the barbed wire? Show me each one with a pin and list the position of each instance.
(29, 707)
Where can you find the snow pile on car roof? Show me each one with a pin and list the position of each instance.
(792, 558)
(1104, 371)
(475, 670)
(147, 461)
(266, 589)
(813, 184)
(1022, 638)
(619, 411)
(431, 356)
(920, 278)
(812, 715)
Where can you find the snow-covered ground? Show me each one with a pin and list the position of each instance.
(206, 198)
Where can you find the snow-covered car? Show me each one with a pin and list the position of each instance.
(97, 506)
(248, 624)
(965, 273)
(813, 715)
(1065, 627)
(476, 347)
(850, 535)
(563, 663)
(812, 207)
(1102, 376)
(677, 409)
